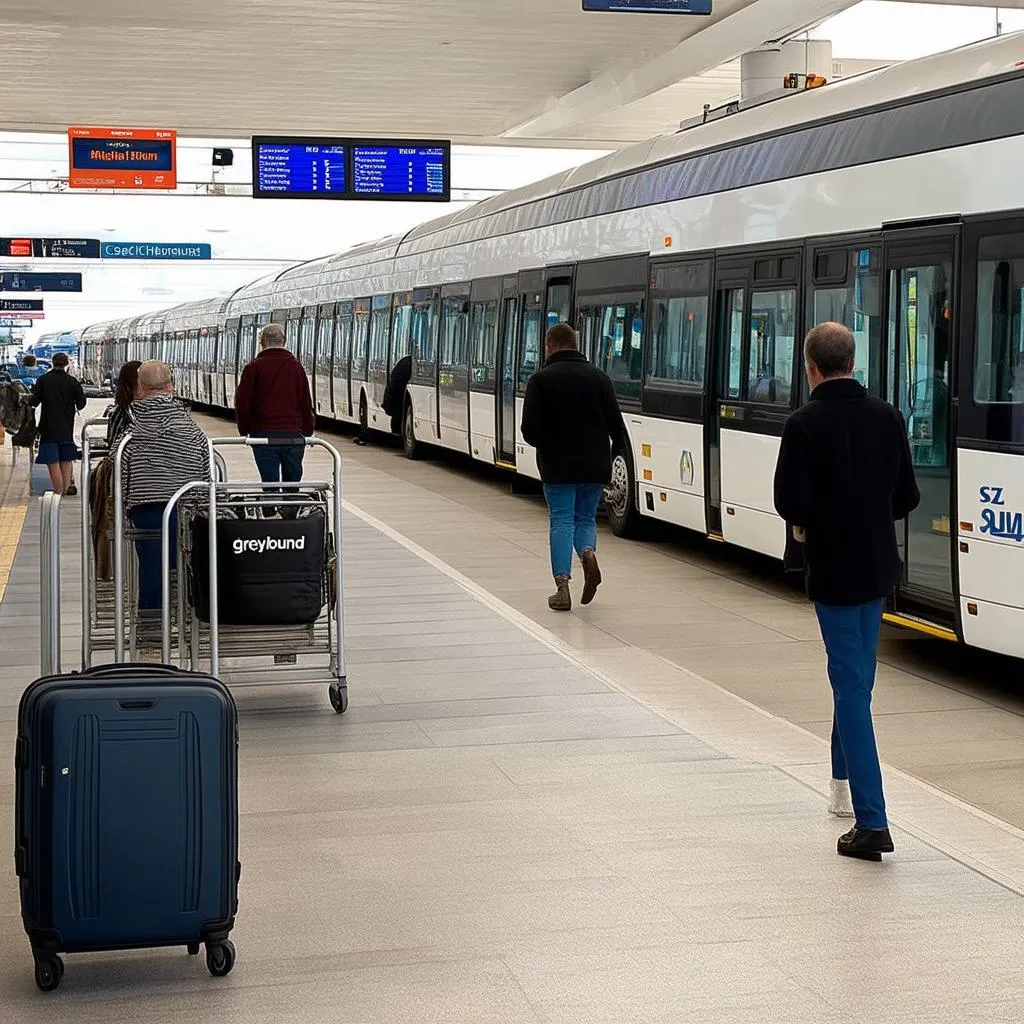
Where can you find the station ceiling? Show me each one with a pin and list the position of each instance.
(477, 71)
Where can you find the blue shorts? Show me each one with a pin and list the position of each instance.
(57, 451)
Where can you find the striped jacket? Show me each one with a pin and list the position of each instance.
(167, 450)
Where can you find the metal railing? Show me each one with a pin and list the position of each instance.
(49, 584)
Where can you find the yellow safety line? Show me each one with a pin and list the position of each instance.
(13, 508)
(919, 626)
(716, 537)
(505, 465)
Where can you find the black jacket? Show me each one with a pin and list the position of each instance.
(60, 395)
(393, 402)
(571, 416)
(846, 476)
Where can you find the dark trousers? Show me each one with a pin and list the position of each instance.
(851, 642)
(279, 461)
(149, 518)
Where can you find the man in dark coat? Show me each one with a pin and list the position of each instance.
(571, 416)
(273, 401)
(844, 478)
(61, 397)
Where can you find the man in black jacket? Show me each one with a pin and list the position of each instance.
(571, 416)
(844, 478)
(61, 396)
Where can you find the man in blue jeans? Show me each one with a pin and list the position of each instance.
(844, 478)
(273, 400)
(571, 416)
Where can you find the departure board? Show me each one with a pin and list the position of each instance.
(401, 171)
(342, 168)
(303, 168)
(650, 6)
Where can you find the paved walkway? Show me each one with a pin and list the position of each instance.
(501, 830)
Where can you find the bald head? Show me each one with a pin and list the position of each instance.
(272, 336)
(154, 379)
(829, 351)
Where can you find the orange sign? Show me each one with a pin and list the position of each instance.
(136, 158)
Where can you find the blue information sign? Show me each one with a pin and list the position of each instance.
(400, 171)
(156, 251)
(320, 168)
(40, 282)
(296, 167)
(650, 6)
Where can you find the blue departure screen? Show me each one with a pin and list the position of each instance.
(650, 6)
(398, 171)
(341, 168)
(299, 168)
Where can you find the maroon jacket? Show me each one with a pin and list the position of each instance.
(273, 396)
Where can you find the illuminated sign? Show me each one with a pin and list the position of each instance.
(26, 309)
(40, 282)
(156, 251)
(133, 158)
(52, 248)
(7, 321)
(337, 168)
(650, 6)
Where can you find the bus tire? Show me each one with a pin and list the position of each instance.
(410, 446)
(620, 496)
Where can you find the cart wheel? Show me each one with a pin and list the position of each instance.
(339, 697)
(49, 972)
(193, 949)
(220, 958)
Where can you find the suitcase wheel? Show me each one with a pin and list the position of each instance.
(339, 697)
(49, 972)
(220, 958)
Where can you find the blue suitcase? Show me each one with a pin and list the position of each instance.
(126, 808)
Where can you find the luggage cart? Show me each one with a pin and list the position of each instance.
(307, 653)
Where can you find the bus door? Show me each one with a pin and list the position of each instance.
(919, 357)
(529, 356)
(752, 388)
(505, 374)
(453, 371)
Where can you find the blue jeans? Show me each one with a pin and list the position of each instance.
(149, 518)
(851, 641)
(572, 512)
(279, 461)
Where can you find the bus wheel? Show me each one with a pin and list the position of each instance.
(410, 445)
(620, 496)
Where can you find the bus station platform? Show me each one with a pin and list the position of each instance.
(598, 817)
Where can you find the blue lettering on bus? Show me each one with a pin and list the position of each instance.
(1003, 524)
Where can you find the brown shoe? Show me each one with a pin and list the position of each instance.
(561, 599)
(591, 575)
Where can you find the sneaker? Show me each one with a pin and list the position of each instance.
(591, 575)
(865, 843)
(561, 599)
(840, 803)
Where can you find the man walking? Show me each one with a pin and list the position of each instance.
(61, 397)
(844, 477)
(273, 401)
(571, 416)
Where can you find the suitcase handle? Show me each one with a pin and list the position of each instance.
(115, 671)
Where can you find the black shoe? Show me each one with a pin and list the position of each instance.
(361, 441)
(865, 843)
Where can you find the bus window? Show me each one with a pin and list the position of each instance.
(401, 336)
(613, 333)
(483, 337)
(999, 341)
(529, 349)
(679, 337)
(772, 345)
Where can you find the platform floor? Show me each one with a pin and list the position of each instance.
(527, 818)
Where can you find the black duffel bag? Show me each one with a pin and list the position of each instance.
(270, 572)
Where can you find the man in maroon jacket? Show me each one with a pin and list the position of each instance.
(273, 401)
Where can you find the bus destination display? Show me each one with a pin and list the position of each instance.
(299, 167)
(650, 6)
(412, 171)
(322, 168)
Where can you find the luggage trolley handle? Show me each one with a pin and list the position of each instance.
(88, 591)
(281, 486)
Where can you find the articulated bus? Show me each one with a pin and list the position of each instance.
(692, 266)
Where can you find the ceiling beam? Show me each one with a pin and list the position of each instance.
(721, 41)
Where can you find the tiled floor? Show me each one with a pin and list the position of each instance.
(519, 824)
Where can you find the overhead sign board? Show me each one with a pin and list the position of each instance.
(40, 282)
(133, 158)
(156, 251)
(286, 167)
(23, 307)
(7, 321)
(650, 6)
(51, 248)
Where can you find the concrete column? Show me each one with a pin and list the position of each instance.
(763, 71)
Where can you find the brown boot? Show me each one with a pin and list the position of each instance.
(561, 599)
(591, 575)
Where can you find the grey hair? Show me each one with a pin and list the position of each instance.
(272, 336)
(832, 348)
